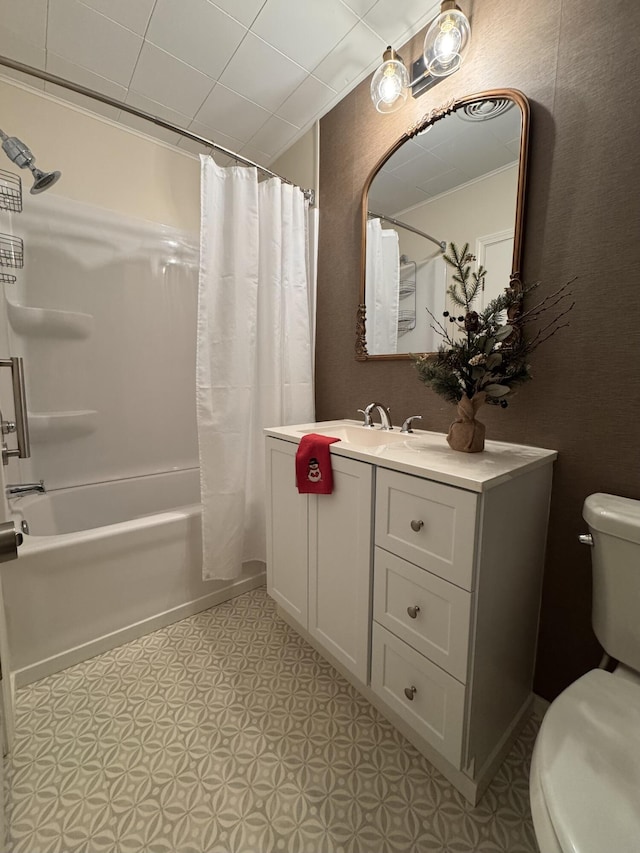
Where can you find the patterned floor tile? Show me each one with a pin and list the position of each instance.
(228, 733)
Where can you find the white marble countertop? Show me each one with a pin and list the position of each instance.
(427, 454)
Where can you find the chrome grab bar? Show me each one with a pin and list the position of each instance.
(20, 407)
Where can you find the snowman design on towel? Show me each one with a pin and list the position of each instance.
(314, 474)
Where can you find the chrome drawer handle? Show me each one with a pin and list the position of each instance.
(413, 611)
(410, 692)
(417, 525)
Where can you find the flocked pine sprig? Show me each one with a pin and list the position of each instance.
(470, 284)
(491, 354)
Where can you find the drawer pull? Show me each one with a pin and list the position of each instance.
(417, 525)
(410, 692)
(413, 611)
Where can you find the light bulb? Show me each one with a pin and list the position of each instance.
(390, 83)
(446, 41)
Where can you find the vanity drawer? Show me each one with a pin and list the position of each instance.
(430, 614)
(427, 523)
(436, 709)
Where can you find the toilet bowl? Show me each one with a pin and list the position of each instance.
(585, 768)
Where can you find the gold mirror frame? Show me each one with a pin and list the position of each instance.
(430, 118)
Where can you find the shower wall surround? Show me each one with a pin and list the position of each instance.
(104, 316)
(582, 209)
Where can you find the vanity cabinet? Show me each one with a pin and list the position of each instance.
(420, 579)
(319, 554)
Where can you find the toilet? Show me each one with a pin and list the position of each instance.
(585, 768)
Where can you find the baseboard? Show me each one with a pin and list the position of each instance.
(63, 660)
(539, 705)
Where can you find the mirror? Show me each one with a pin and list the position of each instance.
(456, 176)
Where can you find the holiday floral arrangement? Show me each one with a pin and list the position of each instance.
(484, 354)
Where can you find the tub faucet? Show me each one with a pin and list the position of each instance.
(17, 489)
(385, 417)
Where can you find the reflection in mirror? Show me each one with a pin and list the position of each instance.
(458, 176)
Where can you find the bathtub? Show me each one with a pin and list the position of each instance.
(103, 564)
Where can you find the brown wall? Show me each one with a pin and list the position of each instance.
(582, 218)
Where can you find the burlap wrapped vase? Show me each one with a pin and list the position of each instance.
(466, 433)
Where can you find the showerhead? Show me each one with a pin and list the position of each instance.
(21, 155)
(43, 180)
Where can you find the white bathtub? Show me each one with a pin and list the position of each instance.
(104, 564)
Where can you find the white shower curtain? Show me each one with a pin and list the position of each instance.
(254, 358)
(382, 290)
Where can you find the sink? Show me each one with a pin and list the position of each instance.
(359, 435)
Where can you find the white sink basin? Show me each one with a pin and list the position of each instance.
(359, 435)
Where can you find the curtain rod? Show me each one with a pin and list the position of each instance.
(113, 102)
(440, 243)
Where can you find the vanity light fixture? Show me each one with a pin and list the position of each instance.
(445, 46)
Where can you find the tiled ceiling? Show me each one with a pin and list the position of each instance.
(253, 75)
(452, 152)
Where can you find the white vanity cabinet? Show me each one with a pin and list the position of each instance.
(319, 554)
(420, 579)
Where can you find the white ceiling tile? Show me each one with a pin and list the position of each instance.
(216, 136)
(59, 66)
(86, 38)
(304, 38)
(192, 147)
(225, 111)
(275, 135)
(260, 73)
(132, 15)
(135, 99)
(252, 152)
(15, 47)
(360, 7)
(27, 19)
(196, 32)
(396, 22)
(244, 11)
(356, 53)
(306, 102)
(165, 79)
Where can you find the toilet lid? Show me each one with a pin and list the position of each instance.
(589, 764)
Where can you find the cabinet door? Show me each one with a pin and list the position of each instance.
(340, 565)
(287, 531)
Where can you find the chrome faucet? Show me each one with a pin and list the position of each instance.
(385, 417)
(407, 425)
(17, 489)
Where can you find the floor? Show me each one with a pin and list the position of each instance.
(224, 733)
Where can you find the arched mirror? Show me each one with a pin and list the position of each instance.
(456, 176)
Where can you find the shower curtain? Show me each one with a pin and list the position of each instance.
(383, 288)
(254, 356)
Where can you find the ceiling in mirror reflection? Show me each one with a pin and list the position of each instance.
(450, 153)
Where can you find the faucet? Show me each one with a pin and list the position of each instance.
(17, 489)
(407, 425)
(385, 417)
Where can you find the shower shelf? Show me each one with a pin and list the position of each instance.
(11, 251)
(54, 426)
(49, 322)
(5, 278)
(10, 192)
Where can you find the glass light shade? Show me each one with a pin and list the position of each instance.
(446, 42)
(390, 86)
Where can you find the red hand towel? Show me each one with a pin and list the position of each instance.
(313, 465)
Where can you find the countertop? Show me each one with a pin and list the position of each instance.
(427, 454)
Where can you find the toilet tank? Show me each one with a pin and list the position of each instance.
(614, 523)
